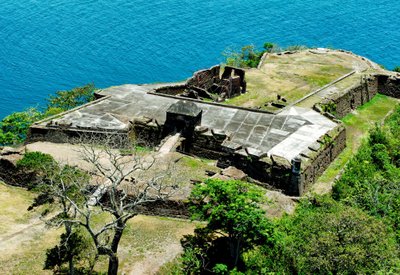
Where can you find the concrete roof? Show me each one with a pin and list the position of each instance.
(285, 134)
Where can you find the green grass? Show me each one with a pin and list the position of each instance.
(357, 127)
(318, 80)
(197, 167)
(289, 81)
(16, 222)
(146, 236)
(14, 202)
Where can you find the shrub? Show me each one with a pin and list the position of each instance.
(14, 128)
(396, 69)
(36, 161)
(248, 56)
(326, 237)
(371, 178)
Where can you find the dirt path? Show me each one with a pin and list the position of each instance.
(21, 234)
(153, 261)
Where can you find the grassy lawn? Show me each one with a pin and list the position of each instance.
(339, 86)
(23, 237)
(291, 76)
(13, 204)
(148, 242)
(357, 125)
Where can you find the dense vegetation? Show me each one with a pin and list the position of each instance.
(353, 231)
(371, 180)
(14, 127)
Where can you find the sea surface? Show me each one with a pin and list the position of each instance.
(47, 46)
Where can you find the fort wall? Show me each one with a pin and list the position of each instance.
(320, 155)
(342, 103)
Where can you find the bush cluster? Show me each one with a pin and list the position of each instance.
(372, 178)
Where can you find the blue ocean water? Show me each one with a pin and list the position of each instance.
(47, 46)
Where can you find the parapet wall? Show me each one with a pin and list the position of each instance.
(320, 155)
(344, 102)
(272, 170)
(340, 104)
(75, 136)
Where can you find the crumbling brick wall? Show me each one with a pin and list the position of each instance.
(230, 84)
(204, 79)
(389, 85)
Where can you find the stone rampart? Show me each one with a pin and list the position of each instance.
(342, 103)
(272, 170)
(320, 155)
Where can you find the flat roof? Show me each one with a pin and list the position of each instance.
(285, 134)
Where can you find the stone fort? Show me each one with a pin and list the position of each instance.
(286, 145)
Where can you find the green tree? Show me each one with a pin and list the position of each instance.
(247, 57)
(396, 69)
(269, 47)
(235, 223)
(14, 128)
(326, 237)
(66, 100)
(69, 250)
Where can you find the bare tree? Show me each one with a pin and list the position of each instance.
(57, 183)
(120, 183)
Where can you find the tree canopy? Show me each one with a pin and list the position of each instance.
(235, 223)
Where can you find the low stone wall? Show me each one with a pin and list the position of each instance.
(344, 102)
(173, 90)
(12, 175)
(167, 208)
(341, 104)
(74, 136)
